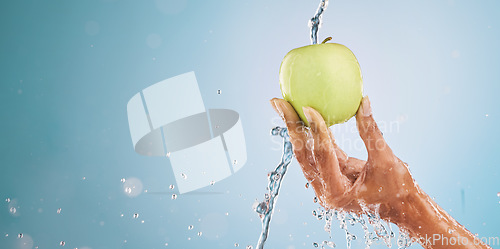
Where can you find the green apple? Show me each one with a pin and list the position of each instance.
(325, 77)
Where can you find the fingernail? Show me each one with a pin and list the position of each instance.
(274, 103)
(307, 114)
(280, 105)
(366, 109)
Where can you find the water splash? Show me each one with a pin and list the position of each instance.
(375, 229)
(315, 22)
(328, 222)
(265, 208)
(343, 217)
(370, 237)
(374, 219)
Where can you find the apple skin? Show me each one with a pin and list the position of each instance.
(325, 77)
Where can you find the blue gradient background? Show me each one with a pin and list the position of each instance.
(68, 68)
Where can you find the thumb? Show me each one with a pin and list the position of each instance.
(368, 130)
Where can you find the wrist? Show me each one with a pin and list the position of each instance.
(423, 216)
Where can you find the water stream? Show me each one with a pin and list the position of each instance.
(266, 207)
(316, 20)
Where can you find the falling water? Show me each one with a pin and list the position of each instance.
(374, 219)
(265, 208)
(370, 216)
(315, 22)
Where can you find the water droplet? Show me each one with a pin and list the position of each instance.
(132, 187)
(236, 244)
(450, 231)
(62, 243)
(314, 213)
(190, 227)
(136, 215)
(200, 233)
(320, 216)
(315, 199)
(8, 199)
(277, 177)
(212, 183)
(171, 186)
(174, 196)
(13, 210)
(235, 162)
(122, 180)
(307, 185)
(218, 91)
(59, 210)
(121, 215)
(227, 214)
(184, 176)
(249, 247)
(166, 244)
(261, 207)
(315, 244)
(380, 189)
(275, 131)
(20, 235)
(329, 243)
(168, 154)
(498, 194)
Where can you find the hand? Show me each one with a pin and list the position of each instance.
(340, 181)
(382, 184)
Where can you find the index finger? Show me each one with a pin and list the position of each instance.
(296, 128)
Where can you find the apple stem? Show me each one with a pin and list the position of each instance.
(327, 39)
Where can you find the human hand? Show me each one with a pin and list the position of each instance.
(342, 182)
(382, 184)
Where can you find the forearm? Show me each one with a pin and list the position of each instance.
(432, 227)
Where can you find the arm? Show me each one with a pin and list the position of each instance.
(435, 228)
(381, 184)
